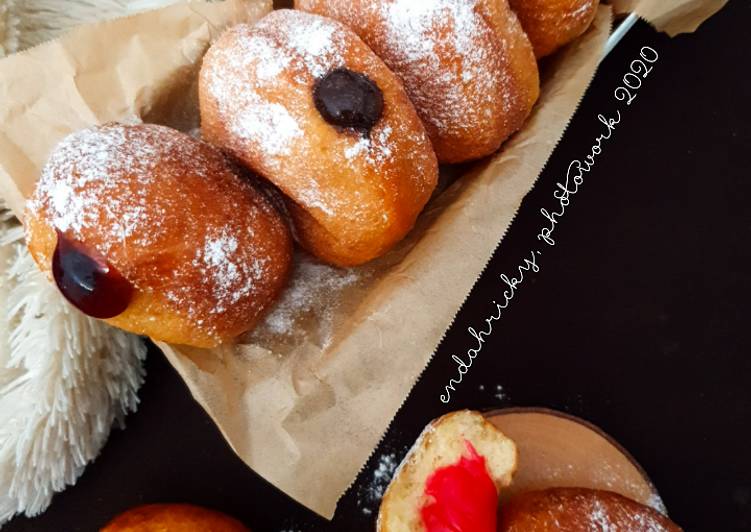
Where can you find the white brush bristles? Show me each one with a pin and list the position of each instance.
(26, 23)
(8, 27)
(65, 379)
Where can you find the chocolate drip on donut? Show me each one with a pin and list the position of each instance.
(349, 99)
(88, 282)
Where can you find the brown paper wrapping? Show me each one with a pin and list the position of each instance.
(671, 16)
(307, 407)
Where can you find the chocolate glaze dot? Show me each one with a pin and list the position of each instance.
(348, 99)
(90, 284)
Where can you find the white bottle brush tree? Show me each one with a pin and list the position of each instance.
(65, 378)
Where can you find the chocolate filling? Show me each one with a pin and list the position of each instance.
(349, 99)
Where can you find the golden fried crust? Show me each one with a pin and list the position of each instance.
(173, 518)
(441, 444)
(205, 251)
(575, 509)
(467, 65)
(351, 196)
(551, 24)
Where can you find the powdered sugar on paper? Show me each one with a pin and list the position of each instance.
(311, 295)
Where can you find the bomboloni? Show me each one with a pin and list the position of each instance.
(302, 101)
(157, 233)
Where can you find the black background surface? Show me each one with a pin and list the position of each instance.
(637, 320)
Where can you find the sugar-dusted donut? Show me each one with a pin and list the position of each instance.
(301, 100)
(173, 518)
(551, 24)
(466, 64)
(574, 509)
(157, 233)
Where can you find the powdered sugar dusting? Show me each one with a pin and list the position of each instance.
(591, 511)
(375, 150)
(421, 35)
(316, 44)
(257, 120)
(314, 198)
(231, 275)
(608, 515)
(249, 115)
(466, 64)
(599, 519)
(82, 170)
(311, 295)
(388, 467)
(655, 501)
(408, 18)
(245, 75)
(606, 477)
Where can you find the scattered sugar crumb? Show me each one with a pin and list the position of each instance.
(500, 394)
(310, 300)
(369, 496)
(497, 390)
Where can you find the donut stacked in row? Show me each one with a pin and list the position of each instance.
(323, 125)
(456, 472)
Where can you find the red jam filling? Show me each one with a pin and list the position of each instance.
(462, 497)
(88, 281)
